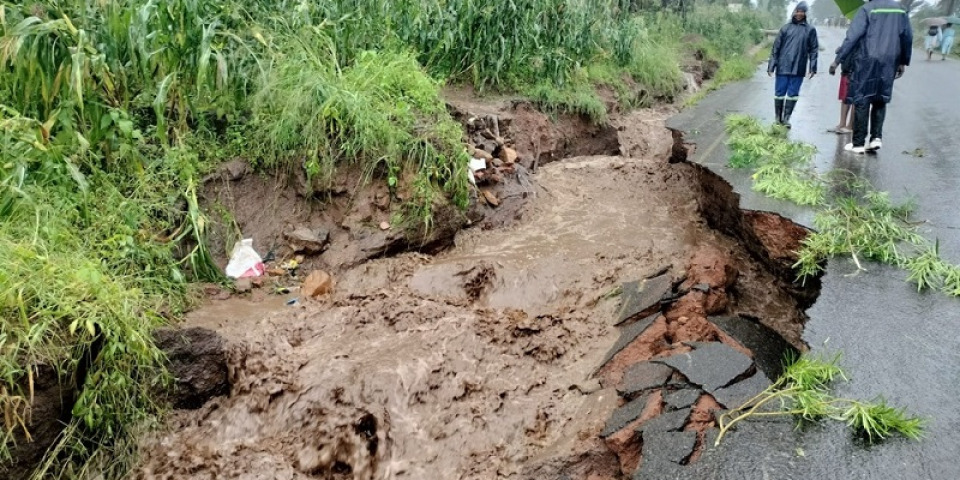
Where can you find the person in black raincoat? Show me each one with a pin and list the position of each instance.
(796, 46)
(881, 42)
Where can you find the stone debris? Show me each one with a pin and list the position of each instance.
(628, 335)
(666, 422)
(711, 366)
(644, 376)
(643, 298)
(317, 284)
(767, 346)
(622, 416)
(490, 198)
(308, 240)
(683, 398)
(738, 393)
(674, 447)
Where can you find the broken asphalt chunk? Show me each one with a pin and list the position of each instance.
(682, 398)
(666, 422)
(622, 416)
(628, 335)
(768, 347)
(738, 393)
(660, 470)
(674, 447)
(643, 376)
(643, 297)
(711, 366)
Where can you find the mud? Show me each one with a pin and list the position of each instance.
(475, 363)
(52, 400)
(198, 363)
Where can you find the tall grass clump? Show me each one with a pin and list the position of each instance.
(111, 111)
(381, 112)
(87, 270)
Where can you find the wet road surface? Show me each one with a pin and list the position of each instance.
(895, 342)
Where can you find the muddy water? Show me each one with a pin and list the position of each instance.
(629, 225)
(474, 364)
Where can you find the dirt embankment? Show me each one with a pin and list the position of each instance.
(516, 352)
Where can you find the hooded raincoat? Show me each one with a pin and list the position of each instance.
(796, 46)
(879, 40)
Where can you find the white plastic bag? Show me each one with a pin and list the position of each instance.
(245, 262)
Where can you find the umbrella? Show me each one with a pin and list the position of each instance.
(934, 21)
(952, 20)
(849, 7)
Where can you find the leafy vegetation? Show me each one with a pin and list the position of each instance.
(804, 391)
(853, 219)
(112, 110)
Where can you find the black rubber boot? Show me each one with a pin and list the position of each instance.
(778, 110)
(787, 111)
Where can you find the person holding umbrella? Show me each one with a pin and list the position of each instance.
(882, 41)
(796, 46)
(932, 41)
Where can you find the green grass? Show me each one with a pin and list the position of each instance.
(112, 110)
(804, 392)
(852, 218)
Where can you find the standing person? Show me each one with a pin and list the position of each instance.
(881, 42)
(946, 41)
(932, 41)
(846, 102)
(795, 46)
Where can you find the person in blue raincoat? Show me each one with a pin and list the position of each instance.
(796, 46)
(881, 41)
(946, 43)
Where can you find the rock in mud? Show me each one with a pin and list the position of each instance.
(508, 155)
(243, 285)
(317, 284)
(711, 365)
(308, 240)
(233, 170)
(482, 154)
(198, 362)
(491, 198)
(643, 297)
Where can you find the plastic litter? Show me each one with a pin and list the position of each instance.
(477, 164)
(245, 261)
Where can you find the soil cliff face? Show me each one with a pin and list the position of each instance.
(509, 354)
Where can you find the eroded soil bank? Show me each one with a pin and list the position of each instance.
(512, 354)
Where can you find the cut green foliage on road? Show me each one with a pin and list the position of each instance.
(852, 218)
(804, 391)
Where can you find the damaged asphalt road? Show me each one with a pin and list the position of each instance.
(895, 342)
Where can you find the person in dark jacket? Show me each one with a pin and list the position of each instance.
(881, 43)
(796, 46)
